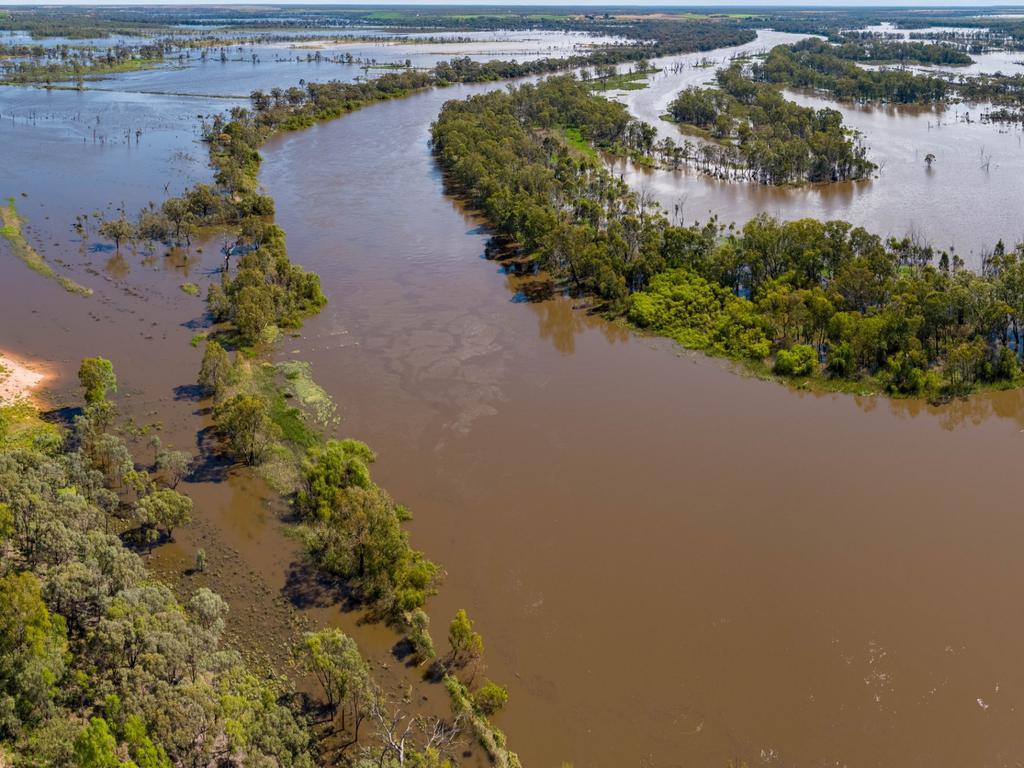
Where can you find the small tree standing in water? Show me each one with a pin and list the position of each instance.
(117, 230)
(467, 644)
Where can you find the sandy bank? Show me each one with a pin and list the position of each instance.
(19, 379)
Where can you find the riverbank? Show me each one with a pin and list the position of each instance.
(20, 379)
(812, 299)
(502, 413)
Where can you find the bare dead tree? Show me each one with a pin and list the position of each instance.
(401, 733)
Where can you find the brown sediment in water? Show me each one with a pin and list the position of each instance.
(667, 561)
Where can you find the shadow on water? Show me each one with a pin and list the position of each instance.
(305, 587)
(192, 393)
(533, 291)
(403, 651)
(63, 417)
(210, 466)
(197, 323)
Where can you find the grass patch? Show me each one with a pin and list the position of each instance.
(298, 407)
(574, 138)
(190, 288)
(10, 229)
(629, 81)
(311, 396)
(22, 428)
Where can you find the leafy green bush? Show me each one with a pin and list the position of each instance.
(798, 360)
(699, 315)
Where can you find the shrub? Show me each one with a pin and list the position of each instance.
(798, 360)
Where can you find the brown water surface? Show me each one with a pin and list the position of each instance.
(671, 564)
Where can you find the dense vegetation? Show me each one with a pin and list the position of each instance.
(869, 48)
(773, 140)
(822, 300)
(100, 664)
(814, 63)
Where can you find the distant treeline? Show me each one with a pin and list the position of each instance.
(870, 48)
(814, 63)
(64, 63)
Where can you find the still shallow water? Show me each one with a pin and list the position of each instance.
(968, 199)
(290, 63)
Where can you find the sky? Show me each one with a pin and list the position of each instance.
(563, 3)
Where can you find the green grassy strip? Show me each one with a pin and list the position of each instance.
(628, 81)
(11, 231)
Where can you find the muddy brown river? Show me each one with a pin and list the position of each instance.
(671, 564)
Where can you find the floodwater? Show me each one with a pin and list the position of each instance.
(988, 63)
(258, 64)
(967, 199)
(671, 564)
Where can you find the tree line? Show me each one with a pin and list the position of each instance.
(871, 47)
(769, 138)
(50, 65)
(822, 300)
(816, 64)
(268, 291)
(101, 665)
(352, 530)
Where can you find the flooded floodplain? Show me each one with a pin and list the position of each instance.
(286, 59)
(964, 200)
(671, 564)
